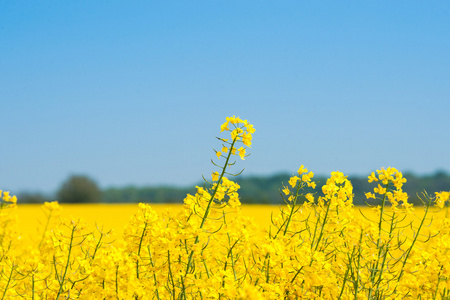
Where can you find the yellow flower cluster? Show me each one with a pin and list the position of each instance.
(317, 247)
(241, 131)
(299, 182)
(442, 198)
(6, 198)
(390, 188)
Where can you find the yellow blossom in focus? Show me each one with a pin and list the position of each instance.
(235, 134)
(386, 175)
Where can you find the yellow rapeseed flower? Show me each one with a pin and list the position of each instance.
(224, 127)
(370, 195)
(441, 198)
(215, 176)
(311, 184)
(307, 177)
(293, 181)
(250, 128)
(247, 139)
(242, 152)
(380, 190)
(372, 177)
(302, 170)
(236, 133)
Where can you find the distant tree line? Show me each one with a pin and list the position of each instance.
(254, 190)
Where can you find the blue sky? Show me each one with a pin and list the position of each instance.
(134, 92)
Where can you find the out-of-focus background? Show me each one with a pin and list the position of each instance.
(126, 98)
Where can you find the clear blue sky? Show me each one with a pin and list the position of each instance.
(134, 92)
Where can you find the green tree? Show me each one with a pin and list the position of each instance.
(79, 189)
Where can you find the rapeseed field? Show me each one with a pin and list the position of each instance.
(115, 216)
(314, 247)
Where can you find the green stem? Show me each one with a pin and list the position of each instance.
(380, 222)
(292, 209)
(139, 248)
(9, 281)
(296, 274)
(231, 256)
(385, 250)
(323, 227)
(32, 286)
(205, 216)
(358, 266)
(61, 283)
(45, 229)
(154, 275)
(170, 275)
(408, 252)
(349, 267)
(267, 270)
(97, 246)
(117, 283)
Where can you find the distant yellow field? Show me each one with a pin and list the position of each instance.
(116, 216)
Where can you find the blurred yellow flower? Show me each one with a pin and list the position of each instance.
(370, 195)
(372, 177)
(242, 152)
(380, 190)
(293, 181)
(302, 170)
(215, 176)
